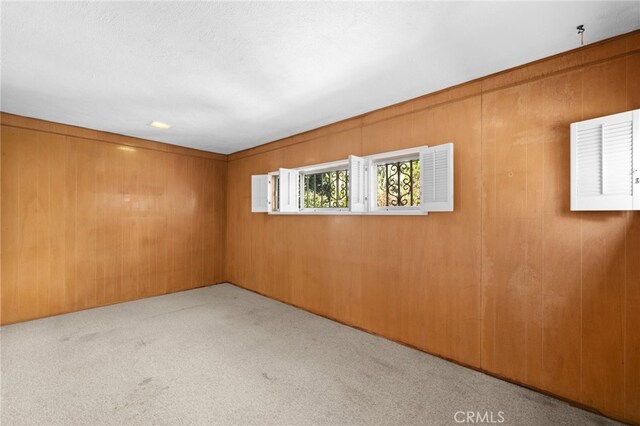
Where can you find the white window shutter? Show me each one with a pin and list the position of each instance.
(635, 178)
(288, 190)
(602, 163)
(436, 178)
(357, 184)
(259, 193)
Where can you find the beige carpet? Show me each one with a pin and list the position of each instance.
(223, 355)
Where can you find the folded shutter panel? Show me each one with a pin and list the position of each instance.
(635, 160)
(288, 196)
(357, 185)
(436, 178)
(259, 193)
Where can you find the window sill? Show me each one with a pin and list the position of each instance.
(396, 213)
(348, 213)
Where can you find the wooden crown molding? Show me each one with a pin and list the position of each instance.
(12, 120)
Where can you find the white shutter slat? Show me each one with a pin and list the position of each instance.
(288, 196)
(617, 158)
(357, 184)
(602, 164)
(427, 174)
(436, 178)
(259, 193)
(635, 159)
(590, 161)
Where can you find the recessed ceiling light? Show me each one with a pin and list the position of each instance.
(160, 125)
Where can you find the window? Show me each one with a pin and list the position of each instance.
(398, 183)
(410, 181)
(325, 190)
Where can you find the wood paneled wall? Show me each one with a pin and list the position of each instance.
(91, 218)
(512, 282)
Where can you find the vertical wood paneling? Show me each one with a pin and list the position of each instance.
(69, 192)
(453, 259)
(632, 288)
(632, 319)
(57, 230)
(270, 250)
(506, 226)
(320, 282)
(239, 237)
(12, 160)
(87, 223)
(558, 101)
(27, 208)
(512, 282)
(603, 260)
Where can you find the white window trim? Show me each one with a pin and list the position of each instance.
(317, 168)
(270, 209)
(399, 154)
(372, 179)
(369, 185)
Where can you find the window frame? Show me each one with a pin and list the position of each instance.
(367, 183)
(311, 169)
(372, 181)
(271, 208)
(322, 168)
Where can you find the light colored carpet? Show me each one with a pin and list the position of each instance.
(224, 355)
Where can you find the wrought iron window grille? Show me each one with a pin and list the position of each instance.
(398, 183)
(325, 190)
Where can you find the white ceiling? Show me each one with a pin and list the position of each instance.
(229, 76)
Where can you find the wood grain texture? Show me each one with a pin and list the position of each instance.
(632, 282)
(97, 135)
(513, 282)
(87, 223)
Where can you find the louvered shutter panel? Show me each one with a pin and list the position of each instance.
(635, 178)
(436, 178)
(357, 184)
(259, 193)
(288, 190)
(602, 163)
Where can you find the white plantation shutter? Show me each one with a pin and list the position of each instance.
(357, 184)
(436, 178)
(602, 163)
(635, 166)
(288, 196)
(259, 193)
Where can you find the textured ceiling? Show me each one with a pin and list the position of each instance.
(229, 76)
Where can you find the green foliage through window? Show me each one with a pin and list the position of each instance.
(326, 190)
(399, 184)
